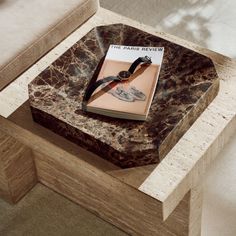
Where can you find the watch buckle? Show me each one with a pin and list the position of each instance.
(147, 60)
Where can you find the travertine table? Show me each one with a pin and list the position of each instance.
(148, 200)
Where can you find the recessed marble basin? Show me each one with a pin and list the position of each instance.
(188, 82)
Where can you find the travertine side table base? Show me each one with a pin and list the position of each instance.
(148, 200)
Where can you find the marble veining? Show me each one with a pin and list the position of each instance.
(187, 83)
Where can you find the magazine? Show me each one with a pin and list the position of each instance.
(127, 81)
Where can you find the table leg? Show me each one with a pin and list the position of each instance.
(195, 216)
(17, 170)
(185, 220)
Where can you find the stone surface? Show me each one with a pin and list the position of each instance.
(187, 84)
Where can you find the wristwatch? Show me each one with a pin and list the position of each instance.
(122, 76)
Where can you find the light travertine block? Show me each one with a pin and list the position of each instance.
(17, 171)
(30, 29)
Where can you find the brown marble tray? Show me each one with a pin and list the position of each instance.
(187, 84)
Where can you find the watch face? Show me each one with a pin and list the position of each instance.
(124, 75)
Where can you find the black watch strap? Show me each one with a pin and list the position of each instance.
(146, 60)
(98, 83)
(122, 76)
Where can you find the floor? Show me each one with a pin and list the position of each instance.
(43, 212)
(210, 23)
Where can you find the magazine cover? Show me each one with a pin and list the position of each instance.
(130, 99)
